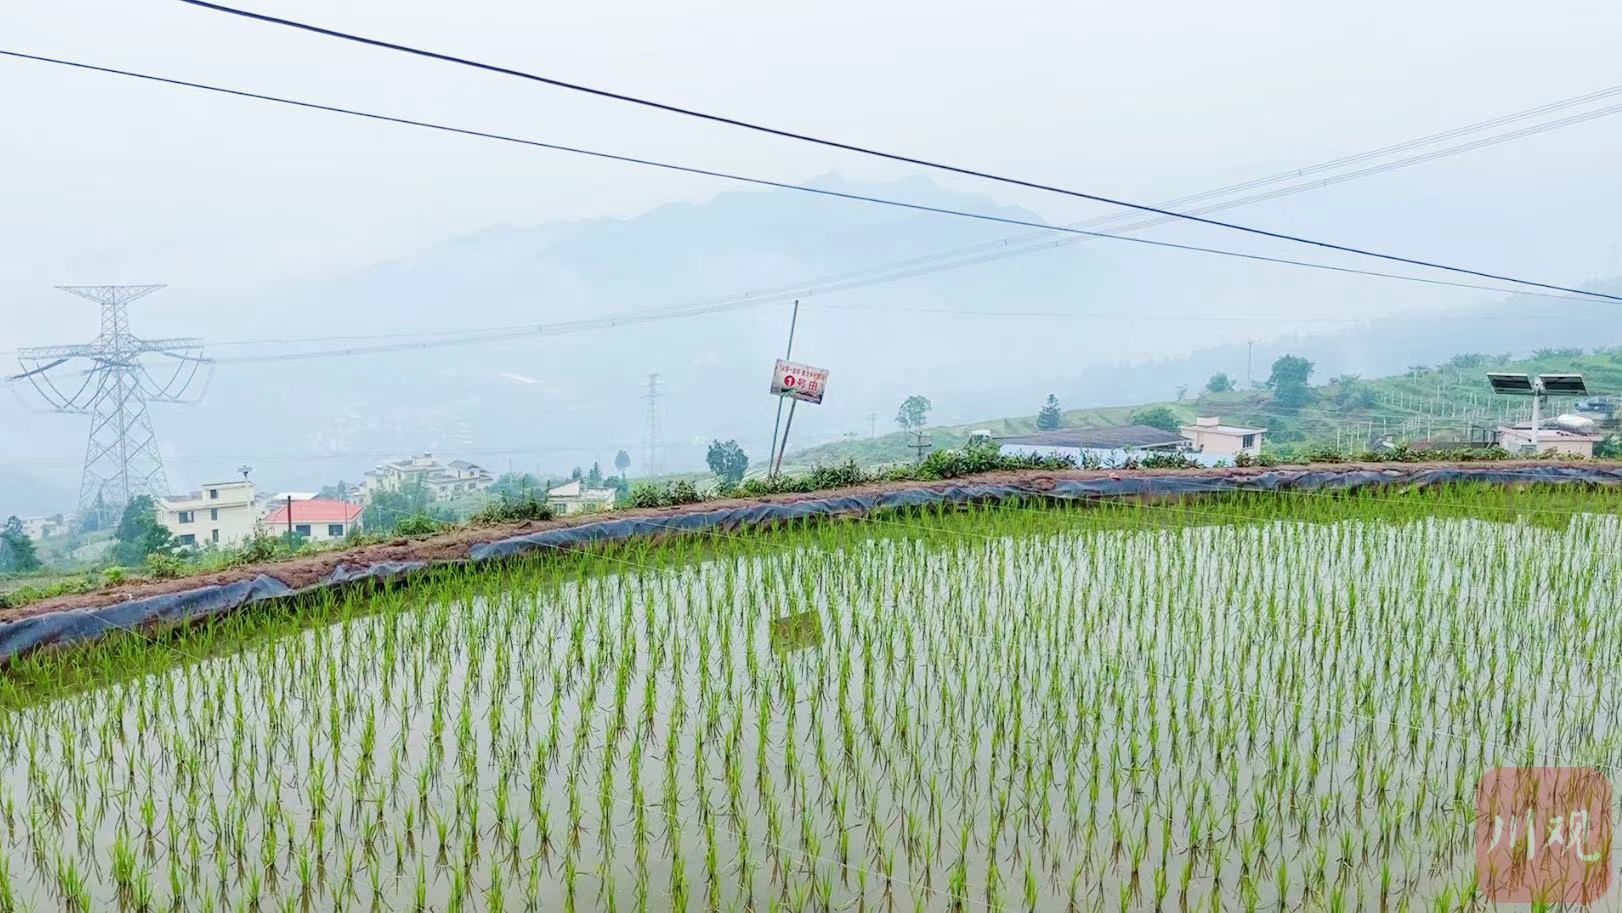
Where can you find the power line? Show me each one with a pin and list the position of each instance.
(890, 156)
(748, 299)
(1575, 294)
(882, 273)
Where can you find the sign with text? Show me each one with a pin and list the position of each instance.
(802, 382)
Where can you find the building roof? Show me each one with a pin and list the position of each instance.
(463, 464)
(1546, 433)
(1235, 430)
(1109, 438)
(577, 489)
(316, 510)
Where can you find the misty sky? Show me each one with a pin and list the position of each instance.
(108, 180)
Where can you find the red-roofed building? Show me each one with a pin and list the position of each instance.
(315, 518)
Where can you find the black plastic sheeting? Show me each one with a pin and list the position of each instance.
(152, 612)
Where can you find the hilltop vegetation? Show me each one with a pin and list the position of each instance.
(1449, 401)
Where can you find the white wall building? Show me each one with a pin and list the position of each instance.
(1210, 437)
(1518, 439)
(44, 527)
(575, 498)
(443, 482)
(220, 513)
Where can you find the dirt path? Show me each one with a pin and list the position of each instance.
(453, 545)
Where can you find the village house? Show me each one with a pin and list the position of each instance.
(44, 527)
(316, 519)
(1210, 438)
(441, 481)
(1518, 439)
(575, 498)
(219, 514)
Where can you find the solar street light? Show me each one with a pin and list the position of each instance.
(1513, 384)
(1563, 384)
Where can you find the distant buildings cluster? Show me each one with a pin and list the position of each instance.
(441, 481)
(224, 514)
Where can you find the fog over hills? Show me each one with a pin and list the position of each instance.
(1096, 323)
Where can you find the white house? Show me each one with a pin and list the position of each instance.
(1209, 437)
(220, 513)
(44, 527)
(442, 482)
(575, 498)
(1518, 439)
(317, 519)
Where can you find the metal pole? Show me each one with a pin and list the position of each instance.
(786, 426)
(1536, 396)
(794, 318)
(289, 518)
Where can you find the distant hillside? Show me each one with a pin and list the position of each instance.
(1436, 402)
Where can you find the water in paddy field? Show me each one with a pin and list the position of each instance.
(1006, 710)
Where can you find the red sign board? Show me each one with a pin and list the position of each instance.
(802, 382)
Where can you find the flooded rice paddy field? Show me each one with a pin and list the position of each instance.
(1253, 702)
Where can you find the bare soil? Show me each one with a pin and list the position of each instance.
(453, 545)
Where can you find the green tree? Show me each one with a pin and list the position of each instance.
(728, 462)
(388, 509)
(514, 486)
(622, 462)
(16, 549)
(1289, 381)
(594, 478)
(338, 492)
(139, 533)
(1219, 383)
(1048, 419)
(1351, 392)
(914, 412)
(1156, 417)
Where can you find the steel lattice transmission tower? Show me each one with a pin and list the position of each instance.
(651, 447)
(112, 379)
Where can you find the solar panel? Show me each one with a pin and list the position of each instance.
(1511, 384)
(1563, 384)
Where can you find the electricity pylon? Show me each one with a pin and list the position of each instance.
(651, 451)
(121, 459)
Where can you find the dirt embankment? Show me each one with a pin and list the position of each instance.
(453, 545)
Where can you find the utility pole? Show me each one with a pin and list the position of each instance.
(921, 443)
(873, 424)
(1250, 345)
(121, 459)
(788, 354)
(651, 451)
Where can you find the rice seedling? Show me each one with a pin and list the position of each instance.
(1254, 701)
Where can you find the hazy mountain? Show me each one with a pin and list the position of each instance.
(1096, 323)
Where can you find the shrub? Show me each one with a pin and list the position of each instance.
(165, 567)
(683, 492)
(417, 525)
(260, 547)
(643, 495)
(509, 510)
